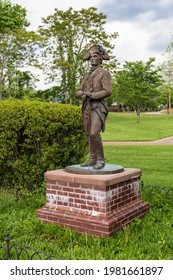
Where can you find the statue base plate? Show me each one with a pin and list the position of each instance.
(107, 169)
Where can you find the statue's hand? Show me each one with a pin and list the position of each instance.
(89, 94)
(83, 96)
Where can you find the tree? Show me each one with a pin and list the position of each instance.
(52, 94)
(68, 35)
(138, 85)
(167, 73)
(19, 84)
(17, 45)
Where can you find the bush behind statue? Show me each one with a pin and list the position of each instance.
(36, 137)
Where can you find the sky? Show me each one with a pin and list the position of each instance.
(145, 27)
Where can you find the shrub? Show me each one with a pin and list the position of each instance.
(36, 137)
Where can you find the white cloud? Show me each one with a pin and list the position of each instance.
(43, 8)
(131, 43)
(144, 27)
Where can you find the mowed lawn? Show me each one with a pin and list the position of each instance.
(155, 162)
(123, 127)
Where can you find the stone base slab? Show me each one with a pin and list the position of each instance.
(107, 169)
(93, 204)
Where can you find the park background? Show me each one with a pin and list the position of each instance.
(33, 119)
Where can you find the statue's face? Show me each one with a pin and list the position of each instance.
(95, 59)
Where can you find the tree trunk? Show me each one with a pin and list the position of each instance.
(138, 111)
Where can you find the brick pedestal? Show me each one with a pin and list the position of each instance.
(93, 204)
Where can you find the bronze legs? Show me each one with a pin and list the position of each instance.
(93, 124)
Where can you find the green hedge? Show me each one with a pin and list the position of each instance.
(36, 137)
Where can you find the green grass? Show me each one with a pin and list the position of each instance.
(123, 127)
(155, 161)
(149, 238)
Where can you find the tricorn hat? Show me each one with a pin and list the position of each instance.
(96, 49)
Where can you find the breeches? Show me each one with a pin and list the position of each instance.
(92, 122)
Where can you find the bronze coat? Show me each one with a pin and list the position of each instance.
(98, 84)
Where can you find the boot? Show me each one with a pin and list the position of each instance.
(99, 165)
(92, 160)
(99, 151)
(88, 163)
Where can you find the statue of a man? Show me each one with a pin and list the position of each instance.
(95, 87)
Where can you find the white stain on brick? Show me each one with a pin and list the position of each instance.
(110, 194)
(94, 213)
(100, 196)
(63, 198)
(97, 195)
(52, 198)
(135, 187)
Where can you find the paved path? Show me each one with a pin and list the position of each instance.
(164, 141)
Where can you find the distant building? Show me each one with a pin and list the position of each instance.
(120, 107)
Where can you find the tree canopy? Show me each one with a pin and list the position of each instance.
(57, 49)
(68, 35)
(167, 73)
(137, 85)
(17, 45)
(12, 17)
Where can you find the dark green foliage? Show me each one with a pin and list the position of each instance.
(36, 137)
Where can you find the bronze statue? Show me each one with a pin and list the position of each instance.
(95, 86)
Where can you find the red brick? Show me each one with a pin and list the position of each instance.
(89, 207)
(67, 189)
(81, 191)
(74, 195)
